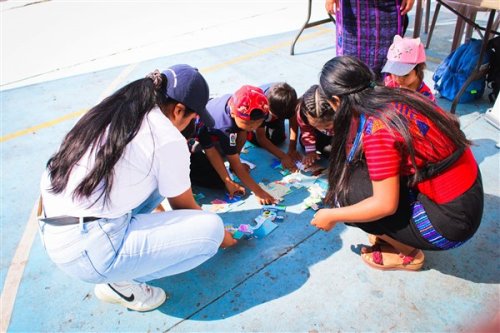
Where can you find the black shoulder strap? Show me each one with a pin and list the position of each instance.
(433, 169)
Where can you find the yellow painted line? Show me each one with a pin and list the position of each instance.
(209, 69)
(117, 81)
(18, 263)
(21, 256)
(16, 270)
(112, 87)
(46, 124)
(261, 52)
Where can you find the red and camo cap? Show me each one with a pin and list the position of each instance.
(248, 99)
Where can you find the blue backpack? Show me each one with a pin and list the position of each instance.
(456, 68)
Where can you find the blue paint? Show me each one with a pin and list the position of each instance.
(291, 280)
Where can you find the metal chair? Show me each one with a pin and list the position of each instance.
(308, 24)
(462, 26)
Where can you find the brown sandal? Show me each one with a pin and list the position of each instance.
(385, 257)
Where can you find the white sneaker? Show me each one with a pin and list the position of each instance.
(138, 297)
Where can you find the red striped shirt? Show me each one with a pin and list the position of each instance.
(387, 156)
(422, 88)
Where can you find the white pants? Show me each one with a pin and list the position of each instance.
(139, 247)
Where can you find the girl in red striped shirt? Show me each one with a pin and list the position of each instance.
(314, 117)
(401, 169)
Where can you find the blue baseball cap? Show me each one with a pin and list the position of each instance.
(186, 85)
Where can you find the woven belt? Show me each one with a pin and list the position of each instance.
(68, 220)
(425, 227)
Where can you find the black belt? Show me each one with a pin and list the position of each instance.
(68, 220)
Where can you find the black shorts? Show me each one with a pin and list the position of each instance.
(456, 221)
(275, 132)
(202, 172)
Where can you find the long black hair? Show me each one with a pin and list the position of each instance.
(354, 83)
(106, 129)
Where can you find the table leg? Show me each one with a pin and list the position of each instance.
(478, 71)
(459, 28)
(427, 14)
(418, 19)
(433, 24)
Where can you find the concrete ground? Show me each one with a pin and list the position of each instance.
(60, 58)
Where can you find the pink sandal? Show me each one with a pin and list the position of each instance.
(393, 260)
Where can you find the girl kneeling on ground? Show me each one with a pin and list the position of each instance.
(401, 169)
(118, 163)
(314, 117)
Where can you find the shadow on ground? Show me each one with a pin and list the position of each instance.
(255, 271)
(484, 148)
(475, 260)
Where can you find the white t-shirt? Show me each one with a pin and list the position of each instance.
(157, 158)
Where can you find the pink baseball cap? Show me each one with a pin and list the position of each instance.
(248, 99)
(403, 55)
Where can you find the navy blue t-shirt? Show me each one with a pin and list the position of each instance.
(224, 132)
(270, 119)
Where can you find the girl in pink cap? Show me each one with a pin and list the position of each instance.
(405, 66)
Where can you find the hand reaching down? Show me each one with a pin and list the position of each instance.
(265, 198)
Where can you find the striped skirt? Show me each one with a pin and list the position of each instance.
(365, 29)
